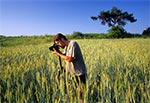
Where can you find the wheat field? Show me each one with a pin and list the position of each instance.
(118, 71)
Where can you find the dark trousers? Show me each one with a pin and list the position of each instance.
(81, 79)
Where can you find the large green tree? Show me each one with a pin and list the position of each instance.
(114, 17)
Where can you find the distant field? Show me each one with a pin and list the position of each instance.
(118, 71)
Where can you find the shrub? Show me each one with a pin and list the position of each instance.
(77, 35)
(116, 32)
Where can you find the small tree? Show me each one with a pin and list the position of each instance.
(146, 32)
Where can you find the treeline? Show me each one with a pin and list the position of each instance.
(79, 35)
(34, 40)
(114, 32)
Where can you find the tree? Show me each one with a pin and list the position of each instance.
(115, 17)
(146, 32)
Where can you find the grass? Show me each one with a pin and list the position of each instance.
(118, 72)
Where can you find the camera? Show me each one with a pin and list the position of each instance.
(54, 46)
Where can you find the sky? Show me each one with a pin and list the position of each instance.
(41, 17)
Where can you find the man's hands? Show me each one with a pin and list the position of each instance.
(55, 52)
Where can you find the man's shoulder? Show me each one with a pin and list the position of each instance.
(72, 42)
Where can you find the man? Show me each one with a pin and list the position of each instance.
(73, 57)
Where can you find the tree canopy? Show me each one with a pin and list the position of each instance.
(114, 17)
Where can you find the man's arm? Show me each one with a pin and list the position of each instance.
(67, 58)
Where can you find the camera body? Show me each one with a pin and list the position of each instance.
(54, 46)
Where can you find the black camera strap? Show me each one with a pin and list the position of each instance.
(60, 63)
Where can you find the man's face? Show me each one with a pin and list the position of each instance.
(60, 43)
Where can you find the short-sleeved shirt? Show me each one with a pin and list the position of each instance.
(77, 66)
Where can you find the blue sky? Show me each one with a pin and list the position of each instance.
(40, 17)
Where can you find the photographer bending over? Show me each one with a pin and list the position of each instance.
(73, 57)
